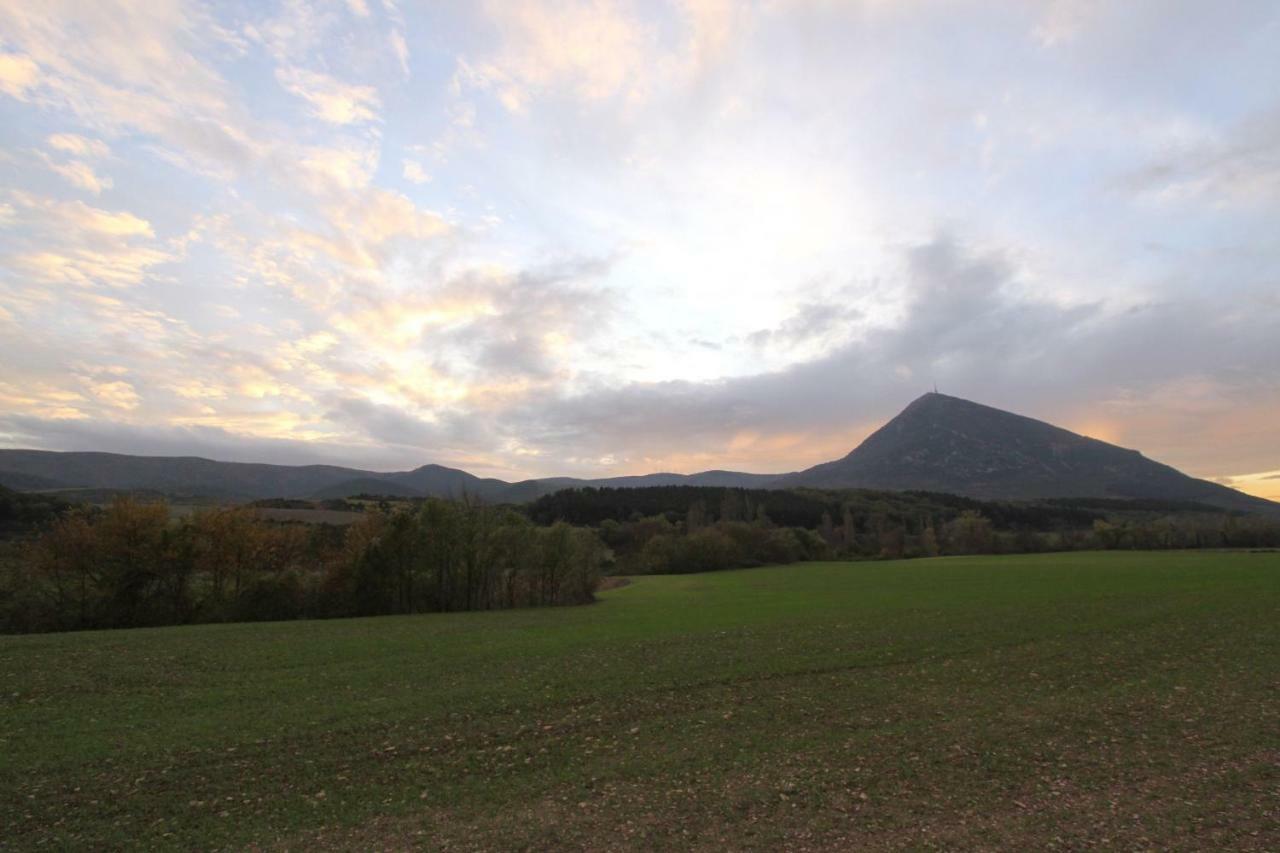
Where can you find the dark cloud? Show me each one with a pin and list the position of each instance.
(815, 321)
(395, 428)
(516, 338)
(969, 328)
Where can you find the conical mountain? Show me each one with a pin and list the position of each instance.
(946, 444)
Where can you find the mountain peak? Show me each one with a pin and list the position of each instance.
(937, 401)
(941, 443)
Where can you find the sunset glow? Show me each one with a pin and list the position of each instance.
(601, 237)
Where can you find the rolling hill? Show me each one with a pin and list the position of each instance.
(45, 470)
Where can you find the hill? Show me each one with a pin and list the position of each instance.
(945, 444)
(936, 444)
(40, 470)
(22, 482)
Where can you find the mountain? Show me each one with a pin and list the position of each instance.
(183, 475)
(937, 444)
(439, 481)
(36, 470)
(945, 444)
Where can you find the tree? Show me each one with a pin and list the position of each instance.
(970, 533)
(929, 542)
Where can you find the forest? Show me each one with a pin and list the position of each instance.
(687, 528)
(132, 562)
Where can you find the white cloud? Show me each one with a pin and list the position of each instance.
(414, 171)
(347, 167)
(595, 50)
(78, 146)
(76, 216)
(74, 243)
(401, 50)
(17, 74)
(132, 66)
(81, 174)
(331, 100)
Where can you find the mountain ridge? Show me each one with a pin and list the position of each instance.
(936, 443)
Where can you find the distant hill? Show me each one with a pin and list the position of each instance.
(21, 482)
(945, 444)
(439, 481)
(43, 470)
(937, 444)
(173, 474)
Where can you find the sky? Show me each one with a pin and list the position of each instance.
(600, 238)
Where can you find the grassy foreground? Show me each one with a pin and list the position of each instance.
(1030, 702)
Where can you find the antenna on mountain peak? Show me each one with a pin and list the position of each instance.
(935, 387)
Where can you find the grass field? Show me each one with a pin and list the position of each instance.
(1117, 700)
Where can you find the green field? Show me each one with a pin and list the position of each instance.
(1028, 702)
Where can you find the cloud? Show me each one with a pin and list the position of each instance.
(77, 172)
(1063, 20)
(330, 100)
(80, 217)
(119, 394)
(1243, 167)
(328, 170)
(74, 243)
(593, 50)
(18, 74)
(167, 440)
(400, 49)
(364, 225)
(533, 322)
(821, 322)
(413, 171)
(129, 65)
(81, 174)
(690, 234)
(965, 325)
(393, 426)
(78, 146)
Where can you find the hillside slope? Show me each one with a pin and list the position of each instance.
(946, 444)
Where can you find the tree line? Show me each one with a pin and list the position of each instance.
(130, 565)
(693, 528)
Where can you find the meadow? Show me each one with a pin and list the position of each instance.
(1118, 699)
